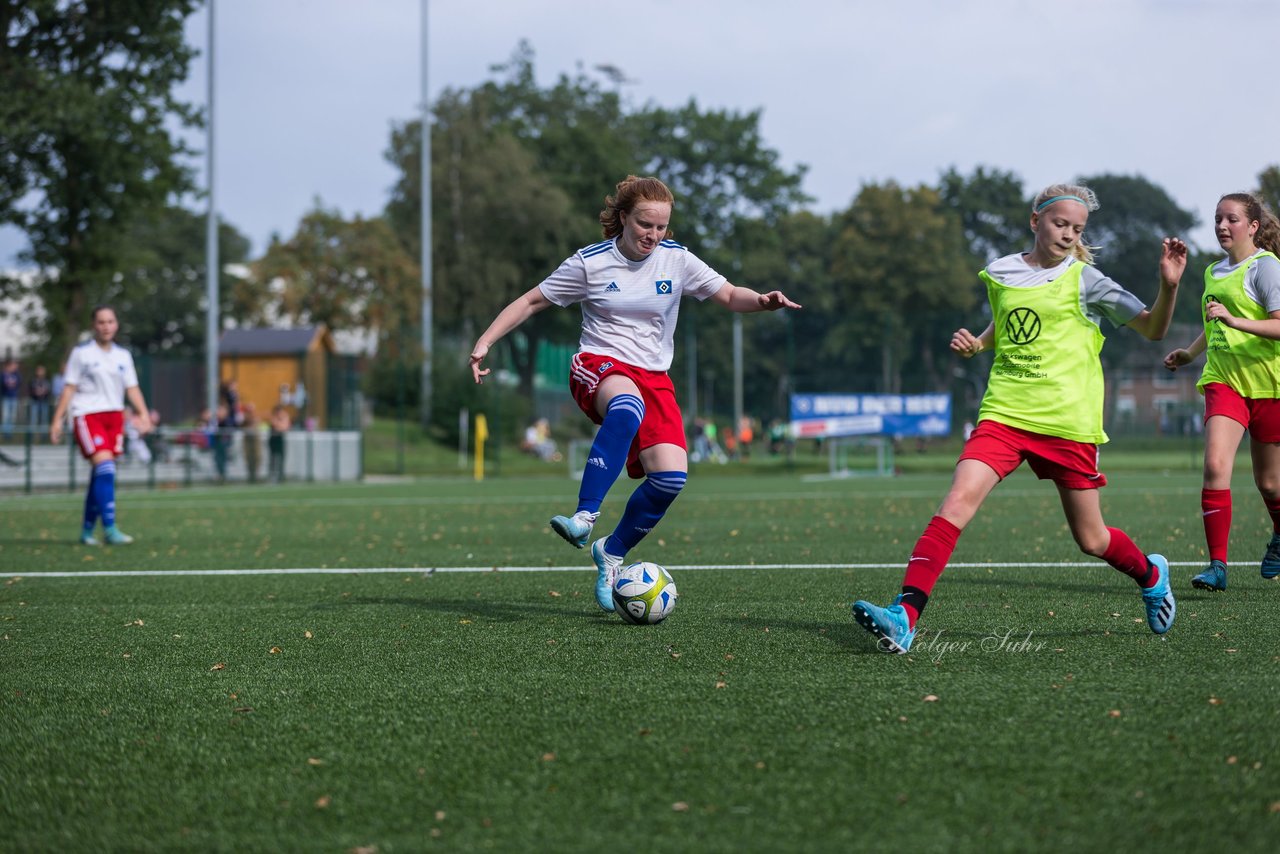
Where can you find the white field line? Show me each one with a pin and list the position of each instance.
(409, 570)
(237, 501)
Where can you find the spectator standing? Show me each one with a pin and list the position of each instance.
(39, 393)
(220, 435)
(10, 388)
(279, 426)
(251, 437)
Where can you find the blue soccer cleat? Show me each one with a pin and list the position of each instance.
(576, 529)
(1213, 578)
(1271, 560)
(116, 537)
(1158, 598)
(890, 625)
(87, 538)
(607, 567)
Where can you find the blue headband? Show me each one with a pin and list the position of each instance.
(1050, 201)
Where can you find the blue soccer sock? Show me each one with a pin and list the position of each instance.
(103, 488)
(90, 505)
(645, 509)
(609, 451)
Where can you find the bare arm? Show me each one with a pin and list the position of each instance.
(1185, 355)
(521, 309)
(1269, 328)
(60, 413)
(743, 299)
(1153, 323)
(140, 406)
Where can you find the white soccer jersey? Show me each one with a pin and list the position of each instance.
(100, 377)
(629, 308)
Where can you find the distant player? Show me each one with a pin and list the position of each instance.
(1043, 404)
(629, 287)
(99, 376)
(1241, 377)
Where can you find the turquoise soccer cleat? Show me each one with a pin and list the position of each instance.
(1213, 578)
(116, 537)
(1158, 598)
(607, 567)
(890, 625)
(576, 529)
(88, 539)
(1271, 560)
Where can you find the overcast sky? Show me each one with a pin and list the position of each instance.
(1180, 91)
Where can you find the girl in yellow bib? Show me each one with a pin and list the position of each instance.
(1043, 404)
(1241, 377)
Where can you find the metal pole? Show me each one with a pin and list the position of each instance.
(211, 254)
(691, 356)
(426, 229)
(737, 372)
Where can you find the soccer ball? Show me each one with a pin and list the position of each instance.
(644, 593)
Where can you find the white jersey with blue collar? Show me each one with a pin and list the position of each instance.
(100, 377)
(629, 308)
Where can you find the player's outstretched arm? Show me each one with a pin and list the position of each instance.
(517, 312)
(1152, 324)
(743, 299)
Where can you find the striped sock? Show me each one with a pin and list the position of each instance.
(609, 451)
(646, 507)
(104, 491)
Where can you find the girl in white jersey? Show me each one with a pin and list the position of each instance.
(629, 287)
(99, 376)
(1043, 404)
(1241, 377)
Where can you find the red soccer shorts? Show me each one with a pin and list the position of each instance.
(663, 422)
(1259, 415)
(1066, 462)
(100, 431)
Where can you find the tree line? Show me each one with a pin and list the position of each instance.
(93, 170)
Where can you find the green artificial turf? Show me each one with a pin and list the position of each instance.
(426, 707)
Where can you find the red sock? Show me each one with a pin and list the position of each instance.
(1273, 507)
(1215, 506)
(928, 559)
(1125, 556)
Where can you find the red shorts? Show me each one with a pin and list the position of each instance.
(1066, 462)
(1260, 416)
(663, 422)
(100, 431)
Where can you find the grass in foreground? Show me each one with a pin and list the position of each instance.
(502, 710)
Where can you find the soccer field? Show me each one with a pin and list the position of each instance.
(411, 666)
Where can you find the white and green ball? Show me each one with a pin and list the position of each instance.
(644, 593)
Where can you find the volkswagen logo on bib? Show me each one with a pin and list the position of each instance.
(1023, 326)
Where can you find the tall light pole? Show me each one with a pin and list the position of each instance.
(426, 229)
(211, 253)
(737, 372)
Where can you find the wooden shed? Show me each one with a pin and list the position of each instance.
(270, 365)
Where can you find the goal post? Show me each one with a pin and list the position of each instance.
(577, 457)
(857, 456)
